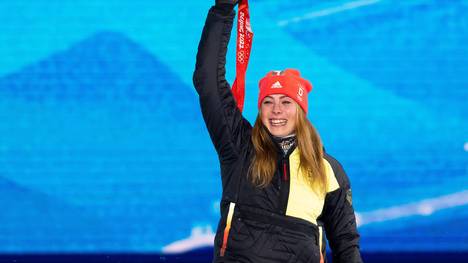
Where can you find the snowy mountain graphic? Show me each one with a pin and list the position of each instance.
(104, 68)
(108, 129)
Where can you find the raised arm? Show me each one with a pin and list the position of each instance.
(228, 130)
(339, 219)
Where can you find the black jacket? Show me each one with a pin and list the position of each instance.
(256, 224)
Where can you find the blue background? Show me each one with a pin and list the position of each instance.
(103, 147)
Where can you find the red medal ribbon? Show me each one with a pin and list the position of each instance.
(244, 45)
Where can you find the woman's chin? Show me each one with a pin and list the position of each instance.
(278, 132)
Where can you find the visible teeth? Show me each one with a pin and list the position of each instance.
(278, 122)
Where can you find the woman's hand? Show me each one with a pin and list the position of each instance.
(226, 6)
(230, 2)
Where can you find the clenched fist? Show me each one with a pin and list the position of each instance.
(230, 2)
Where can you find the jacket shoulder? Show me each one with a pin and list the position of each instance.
(340, 174)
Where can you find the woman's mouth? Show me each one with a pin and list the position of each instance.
(278, 122)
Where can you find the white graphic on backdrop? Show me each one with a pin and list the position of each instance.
(328, 11)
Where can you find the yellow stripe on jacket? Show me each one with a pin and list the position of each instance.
(303, 201)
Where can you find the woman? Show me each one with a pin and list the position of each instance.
(280, 189)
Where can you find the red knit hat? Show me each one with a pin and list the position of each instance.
(287, 82)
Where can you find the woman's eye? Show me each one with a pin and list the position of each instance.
(267, 102)
(286, 102)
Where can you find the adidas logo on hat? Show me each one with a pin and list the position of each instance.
(276, 85)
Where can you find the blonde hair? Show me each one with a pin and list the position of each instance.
(309, 144)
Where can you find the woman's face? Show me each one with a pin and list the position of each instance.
(278, 114)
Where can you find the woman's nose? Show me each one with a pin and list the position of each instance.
(276, 108)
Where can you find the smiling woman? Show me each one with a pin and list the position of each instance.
(280, 189)
(282, 95)
(278, 113)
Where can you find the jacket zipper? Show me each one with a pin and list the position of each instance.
(284, 192)
(285, 171)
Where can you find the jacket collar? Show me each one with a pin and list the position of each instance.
(277, 141)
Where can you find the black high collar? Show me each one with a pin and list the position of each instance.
(285, 145)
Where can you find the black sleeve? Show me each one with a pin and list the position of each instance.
(229, 131)
(339, 219)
